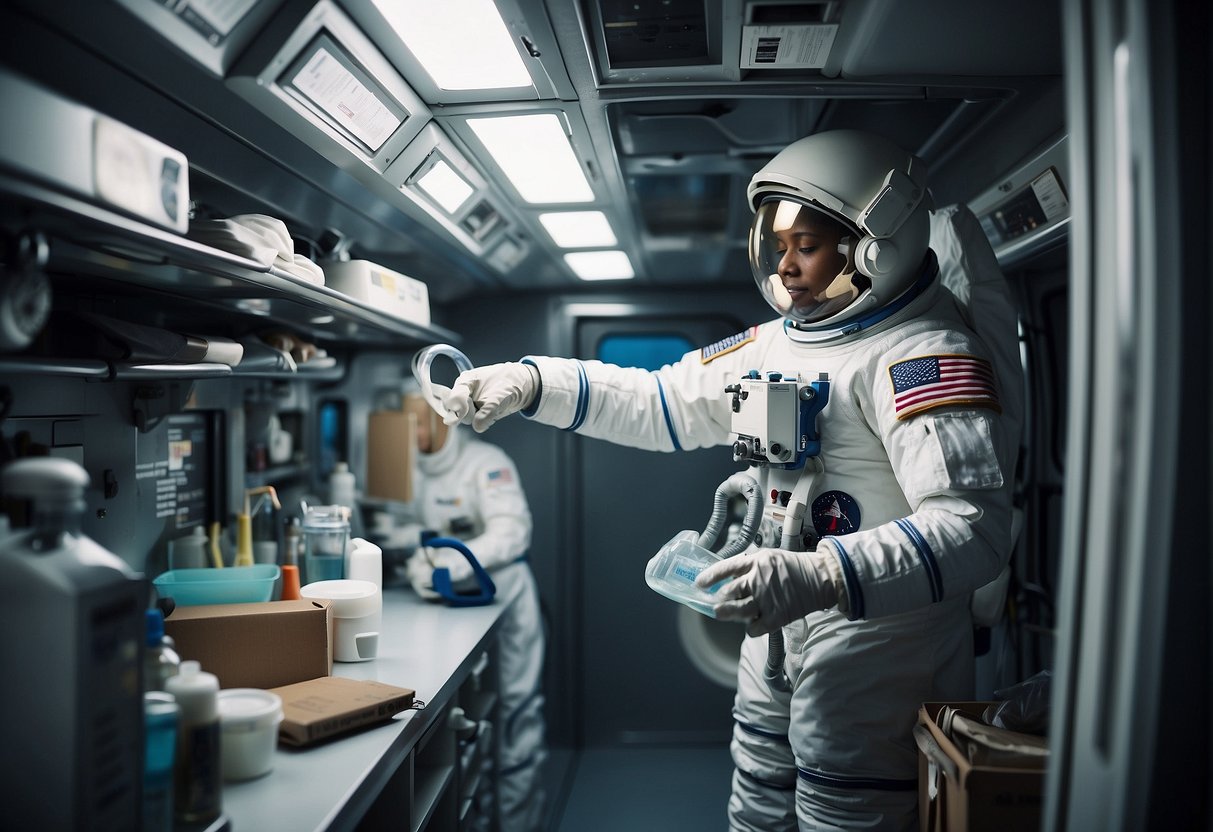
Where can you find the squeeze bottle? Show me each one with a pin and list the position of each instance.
(197, 779)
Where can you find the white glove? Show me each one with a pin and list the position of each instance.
(422, 564)
(485, 394)
(771, 588)
(407, 536)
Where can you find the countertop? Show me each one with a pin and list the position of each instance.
(425, 646)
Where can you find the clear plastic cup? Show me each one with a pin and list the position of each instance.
(673, 570)
(326, 530)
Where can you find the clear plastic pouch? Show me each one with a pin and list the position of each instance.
(673, 570)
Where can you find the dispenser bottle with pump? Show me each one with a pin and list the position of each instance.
(72, 644)
(244, 525)
(197, 777)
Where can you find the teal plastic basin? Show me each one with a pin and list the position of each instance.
(231, 585)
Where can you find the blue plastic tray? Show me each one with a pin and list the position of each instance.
(232, 585)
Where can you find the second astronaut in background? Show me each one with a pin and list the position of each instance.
(470, 490)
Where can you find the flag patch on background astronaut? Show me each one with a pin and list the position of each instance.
(937, 380)
(500, 477)
(835, 513)
(727, 345)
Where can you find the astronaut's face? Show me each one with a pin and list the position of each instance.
(431, 432)
(809, 259)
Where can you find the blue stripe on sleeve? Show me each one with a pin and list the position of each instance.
(854, 590)
(583, 398)
(665, 409)
(928, 557)
(528, 412)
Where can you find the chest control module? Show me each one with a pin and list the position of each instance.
(775, 418)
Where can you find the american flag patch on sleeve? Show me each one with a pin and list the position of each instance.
(501, 476)
(939, 380)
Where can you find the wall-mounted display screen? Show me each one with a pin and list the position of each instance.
(1039, 204)
(333, 86)
(179, 463)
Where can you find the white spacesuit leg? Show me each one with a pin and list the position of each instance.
(521, 724)
(854, 705)
(764, 775)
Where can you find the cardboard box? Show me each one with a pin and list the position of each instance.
(957, 796)
(390, 439)
(396, 294)
(331, 706)
(256, 645)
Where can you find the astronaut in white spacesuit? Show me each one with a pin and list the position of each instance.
(908, 506)
(469, 490)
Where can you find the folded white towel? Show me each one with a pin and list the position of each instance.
(261, 238)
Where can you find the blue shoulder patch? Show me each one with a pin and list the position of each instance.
(727, 345)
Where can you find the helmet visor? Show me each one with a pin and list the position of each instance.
(801, 259)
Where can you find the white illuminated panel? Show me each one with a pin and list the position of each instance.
(445, 187)
(600, 265)
(463, 44)
(534, 152)
(579, 229)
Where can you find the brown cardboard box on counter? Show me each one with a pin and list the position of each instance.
(256, 645)
(328, 707)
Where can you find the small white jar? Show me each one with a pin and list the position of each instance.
(248, 732)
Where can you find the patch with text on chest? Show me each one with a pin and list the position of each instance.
(727, 345)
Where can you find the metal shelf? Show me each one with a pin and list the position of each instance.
(89, 242)
(90, 369)
(129, 372)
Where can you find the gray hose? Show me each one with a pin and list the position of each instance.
(743, 484)
(740, 484)
(773, 672)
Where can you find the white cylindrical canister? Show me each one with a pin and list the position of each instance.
(357, 609)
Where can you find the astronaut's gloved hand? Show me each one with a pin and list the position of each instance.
(407, 536)
(422, 564)
(771, 588)
(483, 395)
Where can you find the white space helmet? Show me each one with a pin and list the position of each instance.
(876, 195)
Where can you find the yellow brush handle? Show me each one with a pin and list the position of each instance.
(244, 540)
(216, 555)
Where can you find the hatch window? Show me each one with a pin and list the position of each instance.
(647, 350)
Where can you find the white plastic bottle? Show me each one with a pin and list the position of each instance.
(342, 485)
(343, 492)
(197, 777)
